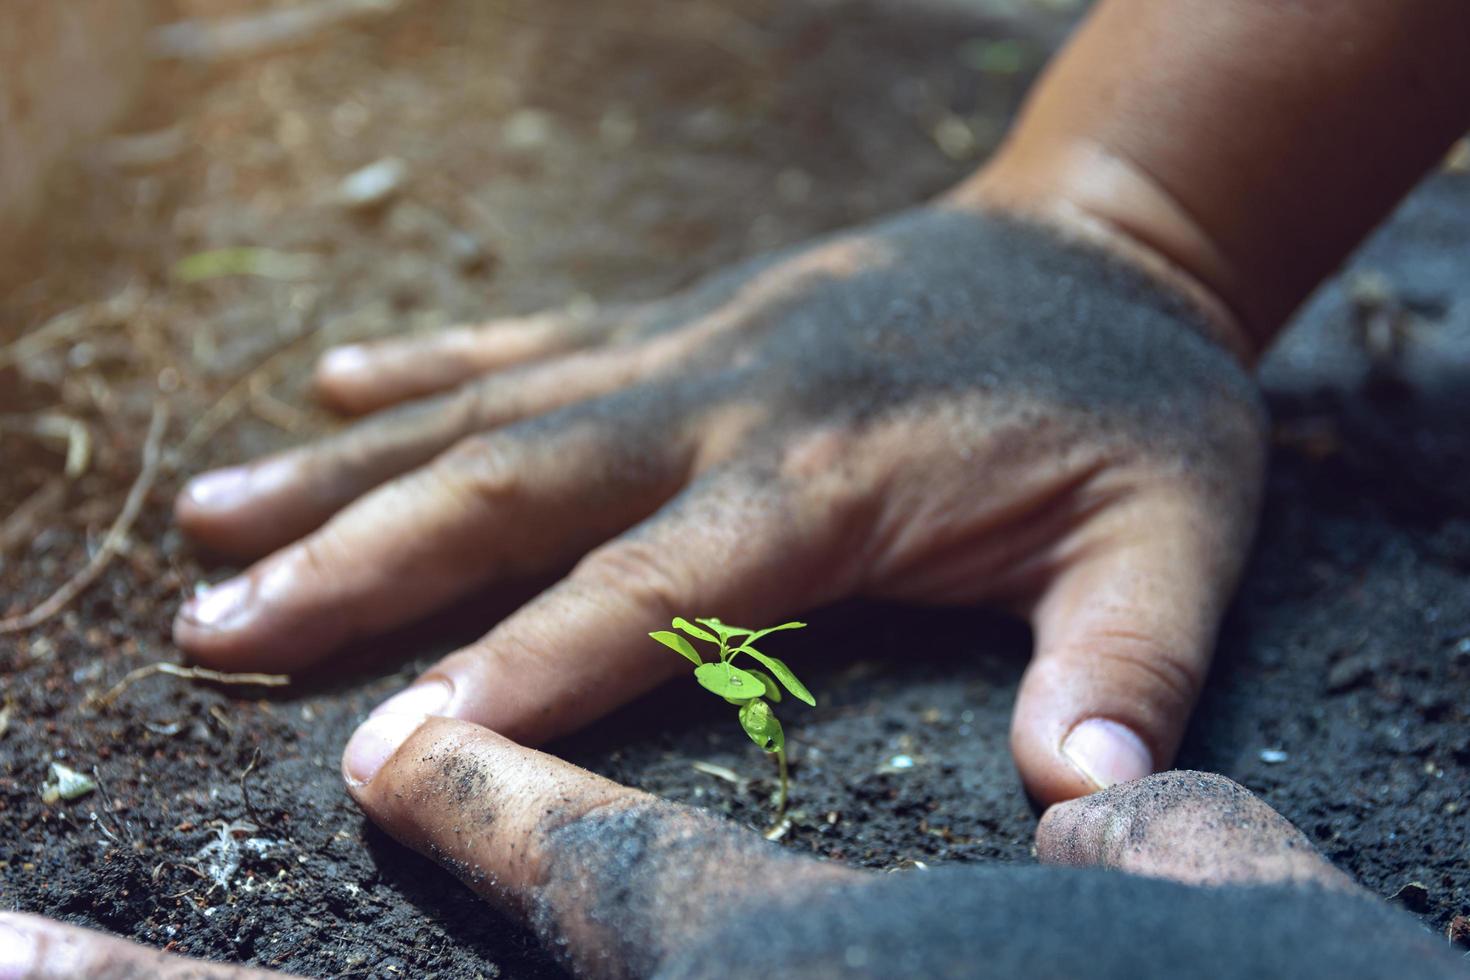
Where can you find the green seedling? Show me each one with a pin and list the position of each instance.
(749, 688)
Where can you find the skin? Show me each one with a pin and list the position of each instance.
(1029, 393)
(621, 884)
(869, 416)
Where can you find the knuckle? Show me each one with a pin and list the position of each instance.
(321, 555)
(639, 574)
(1173, 677)
(482, 468)
(813, 454)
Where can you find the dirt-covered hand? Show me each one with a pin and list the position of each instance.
(951, 406)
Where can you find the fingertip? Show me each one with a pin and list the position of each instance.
(342, 378)
(376, 741)
(241, 511)
(1061, 757)
(203, 508)
(345, 360)
(1068, 833)
(17, 947)
(1047, 774)
(208, 624)
(216, 490)
(1107, 753)
(268, 618)
(424, 697)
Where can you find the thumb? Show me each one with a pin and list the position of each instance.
(1124, 636)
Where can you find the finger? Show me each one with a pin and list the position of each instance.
(1193, 827)
(34, 948)
(727, 547)
(561, 847)
(500, 506)
(1124, 637)
(365, 377)
(253, 509)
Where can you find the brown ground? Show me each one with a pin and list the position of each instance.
(556, 156)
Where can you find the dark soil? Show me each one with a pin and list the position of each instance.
(618, 151)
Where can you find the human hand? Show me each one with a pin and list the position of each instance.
(617, 883)
(952, 406)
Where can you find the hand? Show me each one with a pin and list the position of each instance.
(952, 406)
(620, 884)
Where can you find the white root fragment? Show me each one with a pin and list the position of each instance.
(719, 772)
(254, 35)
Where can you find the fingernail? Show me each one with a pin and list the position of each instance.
(17, 953)
(221, 488)
(1107, 753)
(374, 743)
(424, 698)
(345, 360)
(218, 606)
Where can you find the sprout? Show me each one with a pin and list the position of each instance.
(749, 687)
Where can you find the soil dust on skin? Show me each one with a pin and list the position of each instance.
(552, 159)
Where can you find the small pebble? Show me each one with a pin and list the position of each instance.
(65, 784)
(374, 185)
(1412, 896)
(527, 129)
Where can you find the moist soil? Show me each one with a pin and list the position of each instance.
(559, 153)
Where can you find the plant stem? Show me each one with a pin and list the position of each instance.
(781, 793)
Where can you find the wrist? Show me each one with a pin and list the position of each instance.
(1088, 193)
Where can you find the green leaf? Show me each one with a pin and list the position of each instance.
(761, 725)
(783, 674)
(772, 690)
(725, 632)
(679, 645)
(245, 261)
(680, 623)
(728, 681)
(774, 629)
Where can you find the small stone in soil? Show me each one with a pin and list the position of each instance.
(1413, 896)
(373, 186)
(65, 784)
(1348, 673)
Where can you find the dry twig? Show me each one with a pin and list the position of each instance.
(245, 790)
(246, 388)
(190, 674)
(112, 544)
(65, 326)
